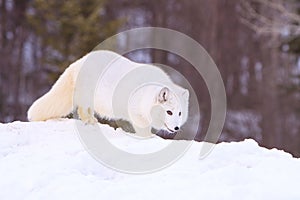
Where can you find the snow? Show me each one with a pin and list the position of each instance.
(45, 160)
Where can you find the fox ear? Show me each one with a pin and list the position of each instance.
(163, 95)
(185, 94)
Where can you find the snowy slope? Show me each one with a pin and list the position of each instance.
(45, 160)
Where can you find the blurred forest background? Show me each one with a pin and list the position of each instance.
(255, 44)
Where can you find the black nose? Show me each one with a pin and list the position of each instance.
(176, 128)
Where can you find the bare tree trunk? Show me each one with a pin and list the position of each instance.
(159, 15)
(270, 105)
(4, 61)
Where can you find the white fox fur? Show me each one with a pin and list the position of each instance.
(156, 90)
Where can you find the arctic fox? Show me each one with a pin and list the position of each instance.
(141, 94)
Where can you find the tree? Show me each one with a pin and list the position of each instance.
(278, 22)
(280, 17)
(69, 29)
(12, 39)
(38, 40)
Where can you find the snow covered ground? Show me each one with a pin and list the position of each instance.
(45, 160)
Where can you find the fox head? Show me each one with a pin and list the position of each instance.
(174, 108)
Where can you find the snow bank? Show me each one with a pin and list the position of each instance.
(45, 160)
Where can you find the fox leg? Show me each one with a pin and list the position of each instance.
(86, 115)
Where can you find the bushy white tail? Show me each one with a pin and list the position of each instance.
(58, 102)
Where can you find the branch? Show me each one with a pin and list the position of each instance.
(276, 20)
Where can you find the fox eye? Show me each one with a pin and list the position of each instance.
(169, 112)
(179, 113)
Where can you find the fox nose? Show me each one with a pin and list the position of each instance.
(176, 128)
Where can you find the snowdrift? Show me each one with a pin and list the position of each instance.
(45, 160)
